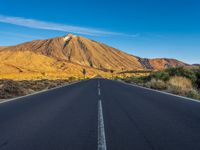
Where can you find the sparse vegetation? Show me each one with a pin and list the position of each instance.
(183, 72)
(112, 71)
(179, 85)
(197, 72)
(180, 80)
(10, 88)
(156, 84)
(193, 94)
(160, 76)
(84, 72)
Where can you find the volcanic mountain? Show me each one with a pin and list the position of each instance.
(2, 47)
(70, 53)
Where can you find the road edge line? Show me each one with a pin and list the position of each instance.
(166, 93)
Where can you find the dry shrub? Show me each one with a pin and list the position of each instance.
(9, 89)
(180, 85)
(156, 84)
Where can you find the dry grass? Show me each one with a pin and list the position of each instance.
(179, 81)
(156, 84)
(180, 85)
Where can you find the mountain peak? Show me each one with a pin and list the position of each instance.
(69, 36)
(85, 52)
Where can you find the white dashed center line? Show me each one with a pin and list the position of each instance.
(101, 130)
(99, 91)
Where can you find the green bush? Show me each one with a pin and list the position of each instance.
(117, 78)
(198, 78)
(193, 94)
(138, 80)
(180, 80)
(181, 71)
(160, 75)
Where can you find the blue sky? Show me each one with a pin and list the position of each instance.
(146, 28)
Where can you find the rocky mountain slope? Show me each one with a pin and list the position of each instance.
(198, 65)
(2, 47)
(162, 63)
(69, 54)
(77, 49)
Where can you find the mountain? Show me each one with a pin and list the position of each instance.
(80, 50)
(162, 63)
(69, 54)
(28, 65)
(197, 65)
(2, 47)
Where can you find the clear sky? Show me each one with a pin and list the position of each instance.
(146, 28)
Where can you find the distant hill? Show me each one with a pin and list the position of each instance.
(163, 63)
(2, 47)
(198, 65)
(70, 54)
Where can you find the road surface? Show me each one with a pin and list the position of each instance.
(100, 114)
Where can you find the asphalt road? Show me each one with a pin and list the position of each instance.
(100, 114)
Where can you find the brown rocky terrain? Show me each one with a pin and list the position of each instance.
(66, 56)
(80, 50)
(11, 89)
(2, 47)
(163, 63)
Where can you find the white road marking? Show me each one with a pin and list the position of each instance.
(101, 130)
(99, 91)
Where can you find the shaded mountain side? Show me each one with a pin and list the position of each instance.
(197, 65)
(163, 63)
(146, 64)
